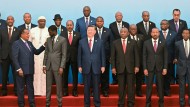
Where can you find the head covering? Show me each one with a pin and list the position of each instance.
(57, 16)
(41, 17)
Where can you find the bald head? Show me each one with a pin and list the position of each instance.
(10, 21)
(86, 11)
(145, 16)
(133, 29)
(124, 33)
(118, 16)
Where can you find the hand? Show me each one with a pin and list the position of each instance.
(114, 71)
(80, 69)
(103, 69)
(175, 61)
(164, 72)
(146, 72)
(20, 73)
(60, 71)
(44, 70)
(136, 70)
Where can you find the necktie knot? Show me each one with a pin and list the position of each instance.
(10, 28)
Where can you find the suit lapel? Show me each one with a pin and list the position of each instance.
(94, 45)
(115, 25)
(87, 45)
(24, 46)
(159, 45)
(128, 45)
(142, 26)
(56, 42)
(152, 45)
(74, 37)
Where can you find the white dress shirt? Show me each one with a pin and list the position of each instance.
(156, 42)
(12, 28)
(28, 25)
(147, 25)
(135, 37)
(125, 41)
(88, 19)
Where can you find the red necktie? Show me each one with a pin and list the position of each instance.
(10, 29)
(70, 38)
(155, 46)
(124, 46)
(90, 44)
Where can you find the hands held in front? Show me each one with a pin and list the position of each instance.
(114, 71)
(164, 72)
(146, 72)
(175, 61)
(136, 70)
(20, 73)
(102, 69)
(80, 69)
(60, 70)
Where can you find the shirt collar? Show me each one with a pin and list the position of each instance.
(23, 40)
(165, 30)
(155, 40)
(146, 22)
(70, 32)
(28, 25)
(91, 39)
(185, 41)
(100, 28)
(10, 27)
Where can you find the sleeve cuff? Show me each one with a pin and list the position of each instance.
(18, 70)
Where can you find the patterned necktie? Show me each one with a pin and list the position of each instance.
(124, 46)
(90, 44)
(146, 27)
(176, 26)
(155, 46)
(99, 33)
(70, 38)
(27, 46)
(9, 34)
(58, 31)
(119, 27)
(28, 28)
(165, 35)
(186, 49)
(86, 22)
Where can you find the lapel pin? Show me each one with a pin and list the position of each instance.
(170, 34)
(138, 39)
(0, 24)
(74, 35)
(91, 20)
(160, 41)
(180, 22)
(150, 23)
(128, 41)
(62, 30)
(14, 29)
(95, 40)
(104, 31)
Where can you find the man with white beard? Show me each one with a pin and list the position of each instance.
(38, 37)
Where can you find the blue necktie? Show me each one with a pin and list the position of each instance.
(58, 31)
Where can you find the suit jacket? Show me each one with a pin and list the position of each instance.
(72, 50)
(81, 25)
(141, 29)
(88, 59)
(139, 41)
(55, 57)
(114, 29)
(127, 60)
(170, 44)
(5, 44)
(23, 57)
(63, 30)
(183, 61)
(152, 59)
(182, 26)
(21, 27)
(2, 23)
(107, 39)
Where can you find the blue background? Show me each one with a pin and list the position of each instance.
(72, 9)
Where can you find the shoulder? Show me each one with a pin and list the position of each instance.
(111, 24)
(20, 26)
(125, 22)
(93, 18)
(141, 22)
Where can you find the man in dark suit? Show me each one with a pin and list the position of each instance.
(83, 22)
(182, 59)
(8, 35)
(60, 28)
(115, 28)
(106, 36)
(125, 62)
(27, 22)
(54, 63)
(169, 37)
(91, 63)
(23, 58)
(2, 22)
(139, 39)
(145, 27)
(177, 24)
(72, 52)
(155, 59)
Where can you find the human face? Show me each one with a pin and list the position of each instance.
(58, 22)
(25, 35)
(185, 34)
(99, 22)
(176, 15)
(10, 21)
(118, 17)
(124, 33)
(27, 18)
(145, 16)
(41, 23)
(164, 25)
(91, 32)
(86, 11)
(69, 26)
(133, 30)
(155, 33)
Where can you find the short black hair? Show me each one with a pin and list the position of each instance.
(53, 28)
(186, 29)
(92, 26)
(176, 10)
(100, 18)
(23, 30)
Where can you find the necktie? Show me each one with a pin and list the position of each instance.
(155, 46)
(164, 32)
(133, 37)
(176, 26)
(86, 22)
(70, 38)
(10, 30)
(27, 46)
(58, 31)
(90, 44)
(186, 49)
(99, 33)
(146, 27)
(28, 27)
(119, 27)
(124, 46)
(52, 41)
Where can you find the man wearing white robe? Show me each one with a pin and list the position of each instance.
(38, 36)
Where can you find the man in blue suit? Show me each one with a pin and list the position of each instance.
(2, 22)
(182, 59)
(83, 22)
(23, 58)
(27, 22)
(91, 63)
(169, 36)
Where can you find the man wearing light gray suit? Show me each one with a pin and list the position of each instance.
(54, 63)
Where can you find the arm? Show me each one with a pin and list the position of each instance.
(176, 53)
(46, 54)
(103, 58)
(137, 59)
(15, 52)
(77, 27)
(165, 56)
(144, 56)
(113, 55)
(0, 46)
(64, 54)
(79, 55)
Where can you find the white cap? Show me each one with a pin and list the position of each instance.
(41, 17)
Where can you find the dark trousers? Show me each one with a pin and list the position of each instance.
(74, 74)
(149, 83)
(5, 71)
(93, 79)
(169, 77)
(182, 85)
(115, 80)
(139, 78)
(105, 78)
(28, 79)
(129, 80)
